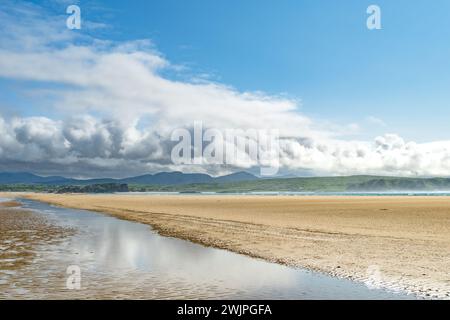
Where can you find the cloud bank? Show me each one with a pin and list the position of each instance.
(116, 111)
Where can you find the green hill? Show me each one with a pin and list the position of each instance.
(312, 184)
(309, 184)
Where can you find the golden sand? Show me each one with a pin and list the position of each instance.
(396, 242)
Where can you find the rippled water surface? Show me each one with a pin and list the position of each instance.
(122, 259)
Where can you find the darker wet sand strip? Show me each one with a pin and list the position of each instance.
(21, 232)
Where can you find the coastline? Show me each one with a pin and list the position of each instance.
(398, 243)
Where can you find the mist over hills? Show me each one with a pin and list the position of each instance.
(236, 182)
(316, 184)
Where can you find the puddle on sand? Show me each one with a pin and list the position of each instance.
(127, 260)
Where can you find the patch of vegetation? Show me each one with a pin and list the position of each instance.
(310, 184)
(94, 188)
(26, 188)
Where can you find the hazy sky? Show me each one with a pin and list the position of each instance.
(103, 100)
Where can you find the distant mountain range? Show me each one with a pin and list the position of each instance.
(162, 178)
(236, 182)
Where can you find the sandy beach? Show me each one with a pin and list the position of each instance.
(21, 232)
(401, 243)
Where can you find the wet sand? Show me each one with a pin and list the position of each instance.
(21, 232)
(393, 242)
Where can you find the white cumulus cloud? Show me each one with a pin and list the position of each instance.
(120, 110)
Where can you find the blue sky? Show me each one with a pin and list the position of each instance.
(318, 51)
(313, 67)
